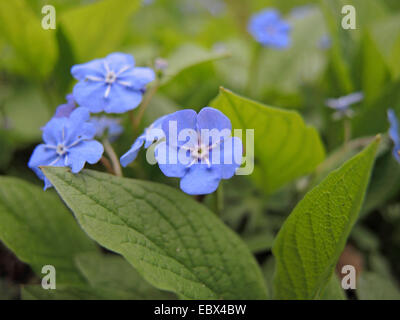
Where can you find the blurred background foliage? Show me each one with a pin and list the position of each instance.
(206, 45)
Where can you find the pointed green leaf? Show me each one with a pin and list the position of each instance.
(188, 56)
(313, 237)
(38, 228)
(174, 242)
(285, 147)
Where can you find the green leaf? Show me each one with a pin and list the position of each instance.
(372, 286)
(113, 274)
(104, 24)
(333, 290)
(35, 292)
(385, 183)
(34, 49)
(286, 73)
(38, 228)
(174, 242)
(313, 237)
(187, 56)
(27, 113)
(285, 148)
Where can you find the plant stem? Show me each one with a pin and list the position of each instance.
(113, 157)
(143, 106)
(347, 131)
(107, 164)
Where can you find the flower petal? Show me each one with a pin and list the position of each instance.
(91, 68)
(122, 99)
(138, 77)
(229, 157)
(132, 153)
(174, 124)
(90, 94)
(44, 156)
(214, 126)
(168, 162)
(117, 60)
(54, 131)
(85, 151)
(394, 127)
(200, 179)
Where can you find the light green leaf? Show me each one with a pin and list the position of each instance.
(386, 33)
(285, 147)
(96, 29)
(114, 274)
(26, 112)
(279, 70)
(187, 56)
(372, 286)
(313, 237)
(385, 183)
(174, 242)
(38, 228)
(34, 48)
(333, 290)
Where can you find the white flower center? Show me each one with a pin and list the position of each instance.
(110, 77)
(61, 149)
(200, 152)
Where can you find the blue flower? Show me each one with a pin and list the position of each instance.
(342, 105)
(67, 143)
(107, 126)
(269, 29)
(394, 133)
(199, 149)
(64, 110)
(147, 138)
(112, 84)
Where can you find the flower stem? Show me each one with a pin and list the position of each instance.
(143, 106)
(107, 164)
(113, 157)
(347, 131)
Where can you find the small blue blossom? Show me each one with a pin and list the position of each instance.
(342, 105)
(111, 127)
(269, 29)
(150, 135)
(64, 110)
(68, 142)
(394, 134)
(112, 84)
(199, 149)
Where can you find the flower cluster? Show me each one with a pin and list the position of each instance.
(269, 29)
(68, 142)
(112, 85)
(206, 154)
(198, 148)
